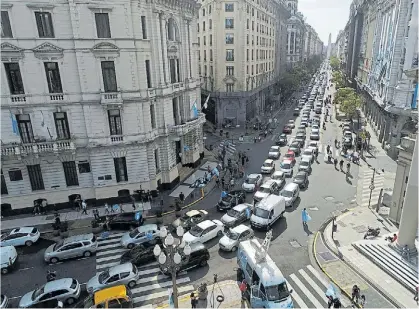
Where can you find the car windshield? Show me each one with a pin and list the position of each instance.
(286, 193)
(103, 276)
(251, 180)
(277, 293)
(285, 165)
(232, 235)
(38, 292)
(267, 164)
(264, 190)
(262, 213)
(273, 149)
(307, 153)
(184, 218)
(136, 250)
(276, 176)
(289, 155)
(304, 163)
(58, 245)
(227, 198)
(295, 145)
(299, 177)
(233, 213)
(196, 231)
(133, 233)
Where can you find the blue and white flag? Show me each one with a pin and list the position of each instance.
(186, 148)
(205, 106)
(195, 109)
(14, 124)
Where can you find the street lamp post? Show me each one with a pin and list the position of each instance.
(171, 254)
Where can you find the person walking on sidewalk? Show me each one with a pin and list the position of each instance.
(96, 213)
(243, 289)
(416, 293)
(181, 198)
(108, 209)
(305, 217)
(341, 165)
(194, 301)
(84, 207)
(348, 168)
(335, 162)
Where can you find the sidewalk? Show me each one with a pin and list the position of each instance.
(227, 290)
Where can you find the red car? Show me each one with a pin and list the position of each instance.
(290, 155)
(287, 130)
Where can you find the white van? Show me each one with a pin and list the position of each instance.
(8, 259)
(267, 211)
(290, 193)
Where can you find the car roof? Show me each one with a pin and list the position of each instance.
(57, 284)
(290, 152)
(78, 238)
(241, 207)
(286, 161)
(269, 161)
(23, 229)
(291, 186)
(120, 268)
(278, 172)
(309, 149)
(240, 228)
(206, 224)
(302, 172)
(291, 121)
(196, 212)
(253, 175)
(267, 183)
(305, 159)
(275, 147)
(148, 227)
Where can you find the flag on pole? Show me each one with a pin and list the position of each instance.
(205, 106)
(14, 124)
(195, 110)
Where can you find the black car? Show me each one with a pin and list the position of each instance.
(282, 140)
(301, 179)
(232, 199)
(199, 257)
(295, 147)
(125, 221)
(141, 254)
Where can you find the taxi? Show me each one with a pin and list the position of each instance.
(114, 297)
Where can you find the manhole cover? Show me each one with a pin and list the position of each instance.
(313, 208)
(329, 198)
(327, 256)
(360, 228)
(295, 244)
(49, 217)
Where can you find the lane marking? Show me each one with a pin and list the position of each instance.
(310, 296)
(297, 297)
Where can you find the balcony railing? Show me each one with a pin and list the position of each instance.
(111, 98)
(183, 129)
(18, 98)
(56, 97)
(117, 138)
(37, 148)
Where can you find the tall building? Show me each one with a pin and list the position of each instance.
(240, 54)
(98, 98)
(296, 35)
(329, 46)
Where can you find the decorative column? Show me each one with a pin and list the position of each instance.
(409, 220)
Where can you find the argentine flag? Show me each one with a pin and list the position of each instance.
(14, 124)
(195, 110)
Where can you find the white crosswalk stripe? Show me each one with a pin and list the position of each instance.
(309, 289)
(366, 190)
(230, 148)
(152, 285)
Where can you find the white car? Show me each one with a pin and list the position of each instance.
(142, 234)
(279, 178)
(204, 231)
(304, 121)
(308, 154)
(232, 237)
(237, 215)
(267, 188)
(291, 123)
(21, 236)
(314, 136)
(252, 182)
(287, 168)
(315, 128)
(268, 167)
(313, 145)
(274, 152)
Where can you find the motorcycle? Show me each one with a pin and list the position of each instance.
(51, 275)
(372, 232)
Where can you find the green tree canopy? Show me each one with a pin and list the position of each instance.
(338, 79)
(349, 101)
(334, 63)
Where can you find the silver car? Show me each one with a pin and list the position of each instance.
(126, 273)
(66, 290)
(21, 236)
(75, 246)
(145, 233)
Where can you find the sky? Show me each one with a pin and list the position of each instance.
(326, 16)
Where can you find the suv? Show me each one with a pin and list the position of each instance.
(125, 221)
(75, 246)
(199, 257)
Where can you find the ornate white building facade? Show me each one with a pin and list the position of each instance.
(296, 35)
(97, 99)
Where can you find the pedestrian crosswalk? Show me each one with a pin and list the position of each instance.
(229, 147)
(366, 187)
(152, 286)
(309, 289)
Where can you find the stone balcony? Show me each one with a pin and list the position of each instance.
(21, 100)
(111, 98)
(51, 147)
(183, 129)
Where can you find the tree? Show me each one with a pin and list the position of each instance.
(349, 101)
(334, 63)
(338, 79)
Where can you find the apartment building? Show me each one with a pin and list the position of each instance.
(296, 35)
(237, 56)
(97, 98)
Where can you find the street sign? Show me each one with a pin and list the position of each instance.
(372, 187)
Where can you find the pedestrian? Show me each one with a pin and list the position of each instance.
(121, 210)
(108, 209)
(416, 298)
(194, 301)
(335, 162)
(150, 198)
(133, 202)
(96, 213)
(243, 289)
(243, 159)
(181, 198)
(305, 217)
(217, 182)
(363, 301)
(222, 182)
(84, 207)
(77, 202)
(348, 168)
(341, 164)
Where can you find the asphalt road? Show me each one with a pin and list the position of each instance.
(329, 190)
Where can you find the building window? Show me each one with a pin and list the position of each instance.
(156, 160)
(203, 26)
(247, 55)
(84, 167)
(15, 175)
(229, 7)
(205, 70)
(230, 55)
(144, 27)
(70, 173)
(120, 169)
(115, 123)
(25, 128)
(230, 71)
(205, 40)
(229, 38)
(148, 73)
(61, 124)
(211, 70)
(153, 116)
(103, 29)
(210, 24)
(6, 29)
(109, 76)
(3, 185)
(175, 108)
(53, 77)
(172, 64)
(229, 23)
(44, 24)
(205, 55)
(230, 87)
(210, 40)
(14, 78)
(247, 25)
(35, 177)
(209, 9)
(211, 58)
(203, 12)
(197, 27)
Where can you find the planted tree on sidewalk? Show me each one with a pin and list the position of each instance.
(334, 63)
(349, 101)
(338, 79)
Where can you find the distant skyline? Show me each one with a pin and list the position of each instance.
(326, 16)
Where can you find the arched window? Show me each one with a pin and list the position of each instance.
(172, 30)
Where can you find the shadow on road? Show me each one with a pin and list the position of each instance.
(307, 230)
(295, 205)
